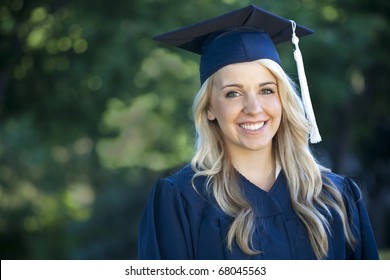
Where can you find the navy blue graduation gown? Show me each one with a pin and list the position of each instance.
(181, 223)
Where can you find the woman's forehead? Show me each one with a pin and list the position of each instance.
(243, 73)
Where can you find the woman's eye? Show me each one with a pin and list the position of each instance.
(232, 94)
(267, 91)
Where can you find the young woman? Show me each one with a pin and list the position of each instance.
(253, 189)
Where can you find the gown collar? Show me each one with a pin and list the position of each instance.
(266, 204)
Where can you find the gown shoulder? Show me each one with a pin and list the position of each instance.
(169, 224)
(358, 217)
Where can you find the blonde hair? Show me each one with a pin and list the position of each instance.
(307, 187)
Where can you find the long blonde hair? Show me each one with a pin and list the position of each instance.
(291, 150)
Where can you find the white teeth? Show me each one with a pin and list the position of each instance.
(252, 127)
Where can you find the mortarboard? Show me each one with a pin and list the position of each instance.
(243, 35)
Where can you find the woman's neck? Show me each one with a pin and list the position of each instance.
(257, 166)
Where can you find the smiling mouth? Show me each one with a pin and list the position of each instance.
(252, 126)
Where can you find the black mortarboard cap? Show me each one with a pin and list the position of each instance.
(242, 35)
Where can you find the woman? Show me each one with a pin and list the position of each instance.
(253, 189)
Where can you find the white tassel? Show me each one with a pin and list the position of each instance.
(315, 136)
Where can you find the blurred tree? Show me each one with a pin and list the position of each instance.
(92, 112)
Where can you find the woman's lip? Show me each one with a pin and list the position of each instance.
(253, 126)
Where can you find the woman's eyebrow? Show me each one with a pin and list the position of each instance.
(268, 83)
(241, 86)
(232, 85)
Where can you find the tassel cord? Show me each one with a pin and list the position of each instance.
(315, 136)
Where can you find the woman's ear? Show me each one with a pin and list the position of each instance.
(210, 114)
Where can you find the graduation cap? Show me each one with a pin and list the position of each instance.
(243, 35)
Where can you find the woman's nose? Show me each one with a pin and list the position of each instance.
(252, 105)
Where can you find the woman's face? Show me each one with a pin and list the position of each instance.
(245, 102)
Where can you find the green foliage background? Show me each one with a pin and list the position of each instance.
(92, 112)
